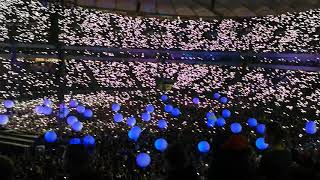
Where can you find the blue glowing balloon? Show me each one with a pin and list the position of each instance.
(261, 128)
(47, 102)
(210, 123)
(143, 160)
(115, 107)
(161, 144)
(50, 136)
(131, 121)
(73, 103)
(80, 109)
(63, 113)
(118, 117)
(211, 116)
(168, 108)
(162, 124)
(221, 122)
(62, 106)
(71, 120)
(196, 100)
(311, 127)
(260, 144)
(8, 104)
(77, 126)
(216, 95)
(252, 122)
(75, 141)
(164, 98)
(134, 133)
(226, 113)
(175, 112)
(88, 140)
(46, 110)
(150, 108)
(224, 100)
(88, 113)
(146, 116)
(38, 109)
(236, 128)
(203, 146)
(4, 119)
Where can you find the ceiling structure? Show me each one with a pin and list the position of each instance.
(202, 8)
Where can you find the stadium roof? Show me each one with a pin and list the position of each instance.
(202, 8)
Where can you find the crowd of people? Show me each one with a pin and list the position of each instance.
(290, 32)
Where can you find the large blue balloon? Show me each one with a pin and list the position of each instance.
(252, 122)
(203, 146)
(46, 110)
(131, 121)
(47, 102)
(38, 110)
(216, 95)
(196, 100)
(311, 127)
(161, 144)
(236, 128)
(73, 103)
(50, 136)
(88, 140)
(146, 116)
(261, 128)
(4, 119)
(226, 113)
(77, 126)
(220, 122)
(115, 107)
(150, 108)
(210, 123)
(211, 116)
(134, 133)
(80, 109)
(175, 112)
(71, 120)
(260, 144)
(63, 112)
(118, 117)
(75, 141)
(168, 108)
(8, 104)
(88, 113)
(164, 98)
(162, 124)
(143, 160)
(223, 100)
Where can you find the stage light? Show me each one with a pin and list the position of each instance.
(71, 120)
(311, 127)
